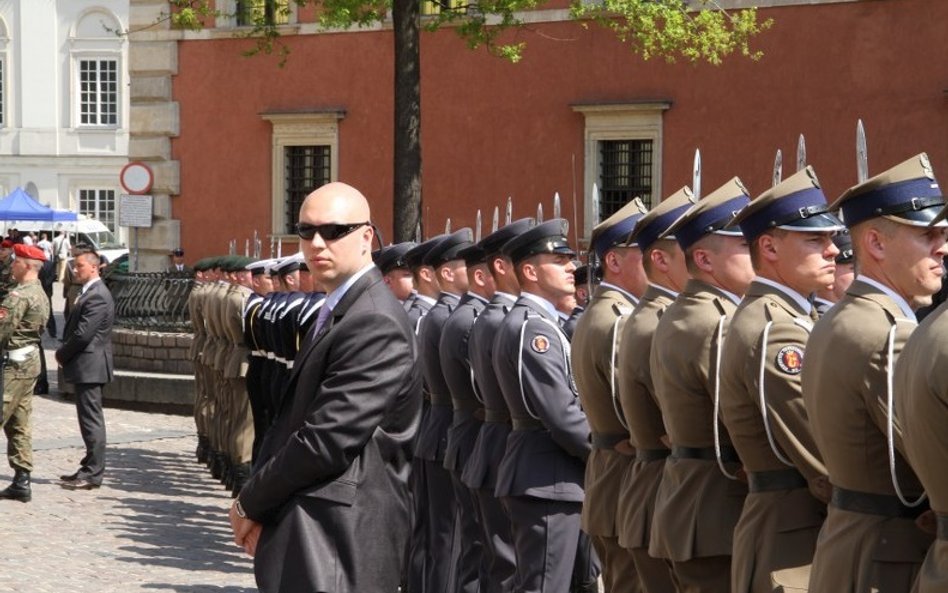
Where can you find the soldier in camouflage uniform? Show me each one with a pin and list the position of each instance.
(6, 260)
(23, 315)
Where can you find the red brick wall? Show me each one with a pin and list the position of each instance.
(493, 129)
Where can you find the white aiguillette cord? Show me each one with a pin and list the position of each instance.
(763, 397)
(890, 416)
(717, 398)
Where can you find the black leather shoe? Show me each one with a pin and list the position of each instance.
(80, 484)
(70, 477)
(20, 488)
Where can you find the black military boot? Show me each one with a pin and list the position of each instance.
(20, 488)
(202, 448)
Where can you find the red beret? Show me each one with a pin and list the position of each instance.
(6, 244)
(29, 252)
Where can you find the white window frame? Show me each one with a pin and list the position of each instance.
(624, 121)
(78, 59)
(99, 189)
(318, 128)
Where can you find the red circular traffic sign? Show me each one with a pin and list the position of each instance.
(137, 178)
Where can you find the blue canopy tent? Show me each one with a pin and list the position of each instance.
(20, 206)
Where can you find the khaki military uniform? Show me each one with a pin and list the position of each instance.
(921, 385)
(196, 302)
(696, 507)
(594, 347)
(239, 419)
(23, 316)
(215, 352)
(643, 417)
(879, 547)
(776, 535)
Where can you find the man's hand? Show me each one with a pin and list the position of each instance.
(246, 531)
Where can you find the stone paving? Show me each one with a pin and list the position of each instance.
(158, 523)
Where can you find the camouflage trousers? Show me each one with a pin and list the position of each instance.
(19, 378)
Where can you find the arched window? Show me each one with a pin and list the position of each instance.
(98, 72)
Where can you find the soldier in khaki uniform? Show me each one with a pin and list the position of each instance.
(870, 540)
(240, 433)
(700, 498)
(23, 315)
(664, 265)
(791, 244)
(922, 408)
(215, 353)
(594, 346)
(196, 314)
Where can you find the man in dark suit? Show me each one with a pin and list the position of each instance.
(86, 358)
(336, 459)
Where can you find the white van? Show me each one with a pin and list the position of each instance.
(84, 230)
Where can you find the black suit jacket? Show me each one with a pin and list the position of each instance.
(331, 481)
(86, 352)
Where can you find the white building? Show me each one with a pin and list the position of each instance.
(64, 102)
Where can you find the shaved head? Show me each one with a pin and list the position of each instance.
(333, 261)
(337, 202)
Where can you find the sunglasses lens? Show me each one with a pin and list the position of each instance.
(328, 232)
(305, 231)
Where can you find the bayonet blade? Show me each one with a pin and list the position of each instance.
(418, 232)
(778, 167)
(508, 213)
(556, 205)
(862, 153)
(477, 227)
(595, 205)
(539, 213)
(696, 176)
(495, 223)
(447, 226)
(801, 153)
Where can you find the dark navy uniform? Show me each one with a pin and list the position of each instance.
(443, 541)
(540, 478)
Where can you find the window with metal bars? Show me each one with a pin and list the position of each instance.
(306, 168)
(98, 92)
(625, 172)
(262, 12)
(98, 204)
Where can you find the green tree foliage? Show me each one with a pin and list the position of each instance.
(689, 30)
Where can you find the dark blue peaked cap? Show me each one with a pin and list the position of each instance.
(908, 193)
(416, 255)
(712, 214)
(615, 230)
(449, 247)
(493, 243)
(546, 237)
(392, 257)
(653, 225)
(796, 204)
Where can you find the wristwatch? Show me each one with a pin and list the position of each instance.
(239, 508)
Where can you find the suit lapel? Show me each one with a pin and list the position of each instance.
(354, 292)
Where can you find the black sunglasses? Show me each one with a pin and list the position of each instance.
(329, 231)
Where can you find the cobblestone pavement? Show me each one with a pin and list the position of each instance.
(158, 523)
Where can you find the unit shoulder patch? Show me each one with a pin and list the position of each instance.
(540, 344)
(790, 360)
